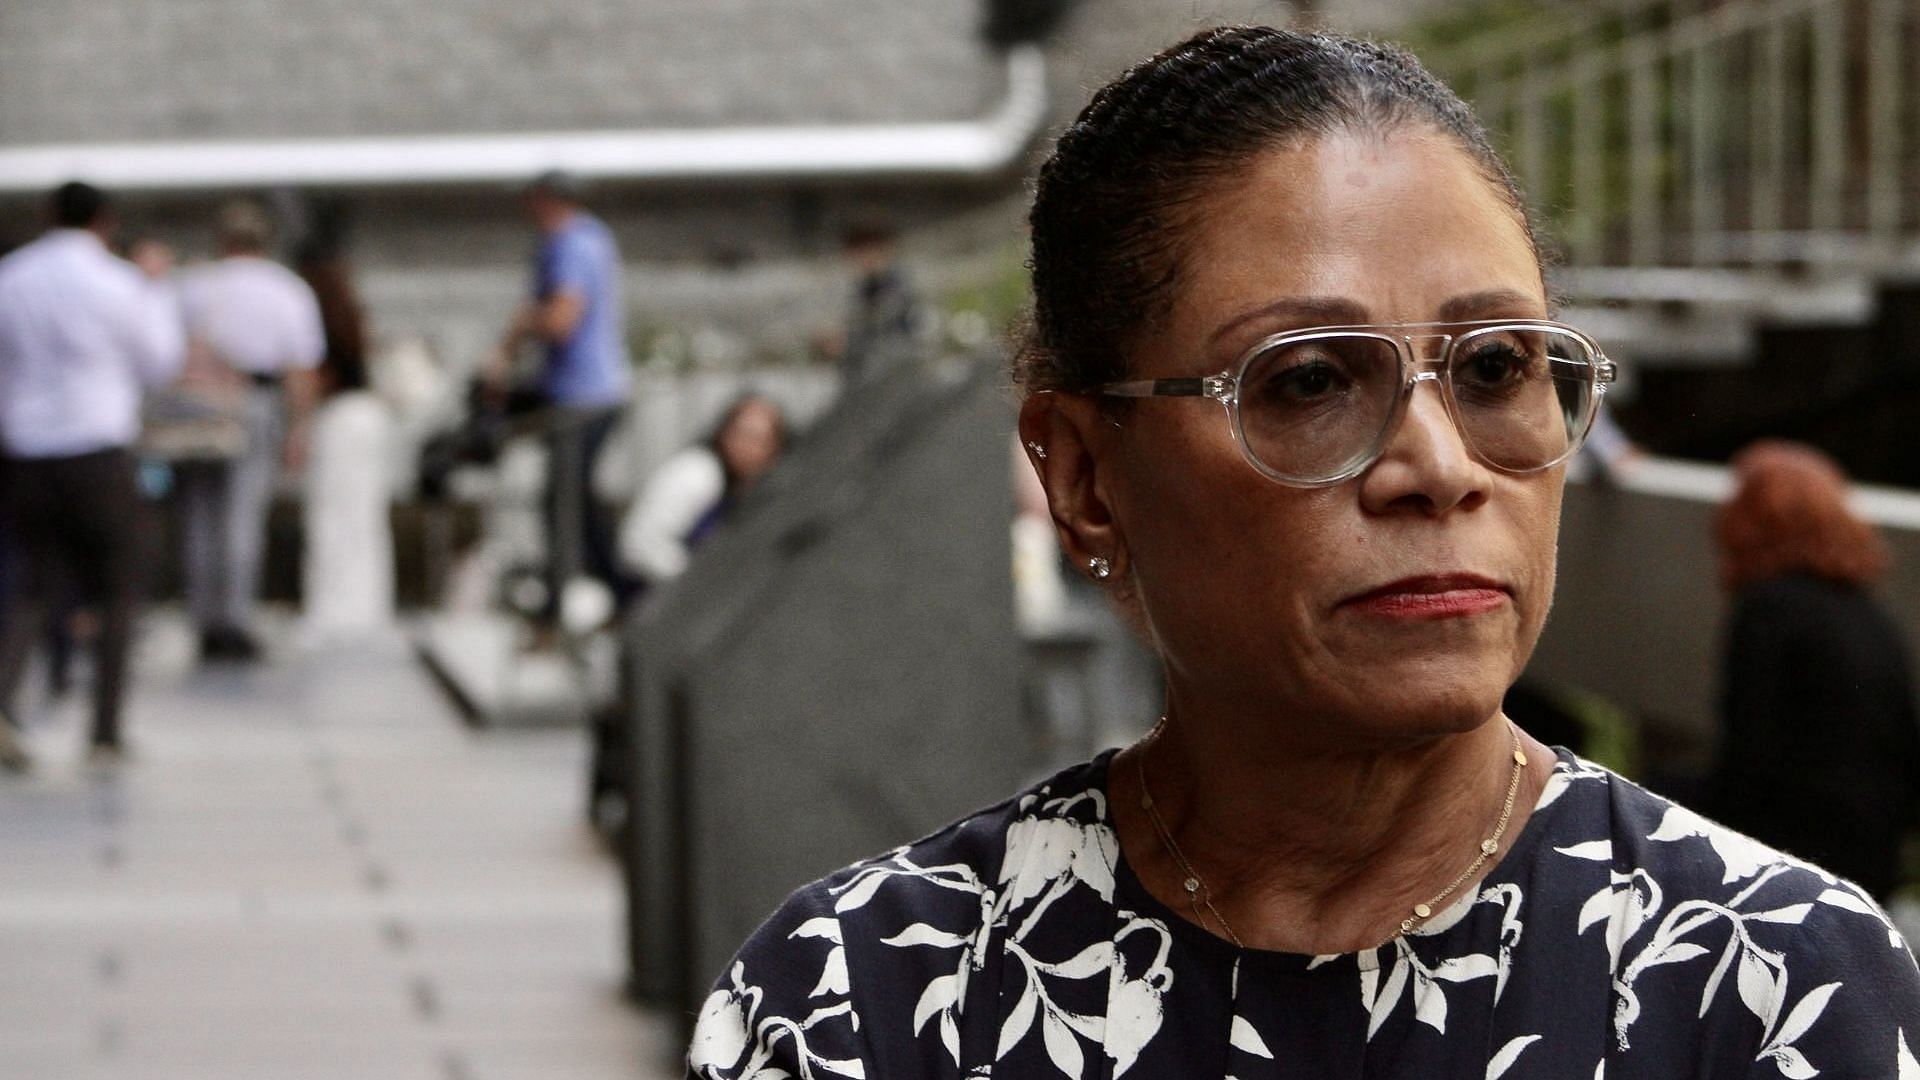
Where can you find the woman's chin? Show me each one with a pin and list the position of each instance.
(1423, 701)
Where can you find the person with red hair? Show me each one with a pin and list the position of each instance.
(1819, 748)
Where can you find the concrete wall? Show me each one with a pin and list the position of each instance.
(837, 673)
(1638, 615)
(168, 69)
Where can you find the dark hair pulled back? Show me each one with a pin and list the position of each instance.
(1115, 197)
(74, 205)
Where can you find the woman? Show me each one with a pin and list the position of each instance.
(694, 490)
(347, 589)
(1333, 857)
(1817, 720)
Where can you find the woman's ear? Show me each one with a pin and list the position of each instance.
(1066, 437)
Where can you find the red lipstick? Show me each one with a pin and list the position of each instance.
(1432, 596)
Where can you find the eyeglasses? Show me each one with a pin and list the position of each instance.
(1312, 408)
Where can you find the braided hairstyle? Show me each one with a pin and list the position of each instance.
(1120, 189)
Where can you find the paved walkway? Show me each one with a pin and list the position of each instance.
(309, 870)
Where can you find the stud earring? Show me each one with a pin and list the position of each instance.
(1038, 450)
(1100, 568)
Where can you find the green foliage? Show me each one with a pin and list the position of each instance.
(1000, 297)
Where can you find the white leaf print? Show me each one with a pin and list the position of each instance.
(1019, 1019)
(950, 1036)
(1133, 1019)
(1909, 1068)
(1096, 861)
(1597, 907)
(1556, 787)
(1595, 850)
(922, 934)
(939, 994)
(1756, 986)
(1093, 960)
(1369, 987)
(1462, 968)
(1389, 994)
(833, 977)
(1091, 1028)
(1246, 1039)
(1640, 901)
(1841, 898)
(826, 926)
(1447, 918)
(827, 1012)
(1854, 902)
(1678, 823)
(720, 1035)
(1804, 1014)
(1039, 852)
(1511, 928)
(1429, 1003)
(1792, 1063)
(859, 893)
(1719, 972)
(1794, 914)
(1062, 1046)
(1740, 856)
(1678, 952)
(1498, 1065)
(851, 1067)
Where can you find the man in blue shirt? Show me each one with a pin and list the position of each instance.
(576, 315)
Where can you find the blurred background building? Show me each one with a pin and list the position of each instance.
(1732, 185)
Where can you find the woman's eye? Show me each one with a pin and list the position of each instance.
(1306, 382)
(1493, 365)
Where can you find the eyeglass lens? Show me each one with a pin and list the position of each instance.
(1315, 408)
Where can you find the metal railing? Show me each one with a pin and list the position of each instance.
(1710, 132)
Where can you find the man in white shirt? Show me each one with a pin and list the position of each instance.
(261, 322)
(83, 334)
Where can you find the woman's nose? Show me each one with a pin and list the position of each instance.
(1425, 465)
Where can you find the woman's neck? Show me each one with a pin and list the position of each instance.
(1317, 849)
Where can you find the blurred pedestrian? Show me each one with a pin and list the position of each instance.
(258, 320)
(886, 319)
(1819, 748)
(695, 490)
(83, 334)
(347, 586)
(576, 315)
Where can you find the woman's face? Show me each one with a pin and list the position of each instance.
(1402, 603)
(751, 441)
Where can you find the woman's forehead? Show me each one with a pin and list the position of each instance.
(1396, 224)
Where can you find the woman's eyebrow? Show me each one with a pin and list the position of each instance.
(1315, 310)
(1495, 302)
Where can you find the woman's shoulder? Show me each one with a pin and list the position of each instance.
(1652, 835)
(967, 856)
(1699, 919)
(883, 934)
(1678, 854)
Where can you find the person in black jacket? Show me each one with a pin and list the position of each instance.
(1819, 744)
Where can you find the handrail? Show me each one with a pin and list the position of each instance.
(1733, 133)
(1490, 49)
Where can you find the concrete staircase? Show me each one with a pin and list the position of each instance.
(1738, 203)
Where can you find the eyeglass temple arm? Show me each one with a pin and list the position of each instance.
(1140, 388)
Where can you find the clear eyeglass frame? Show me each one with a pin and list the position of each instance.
(1224, 386)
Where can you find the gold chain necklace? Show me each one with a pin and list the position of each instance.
(1198, 893)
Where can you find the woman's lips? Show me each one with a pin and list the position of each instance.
(1448, 596)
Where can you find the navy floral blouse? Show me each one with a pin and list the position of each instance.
(1622, 936)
